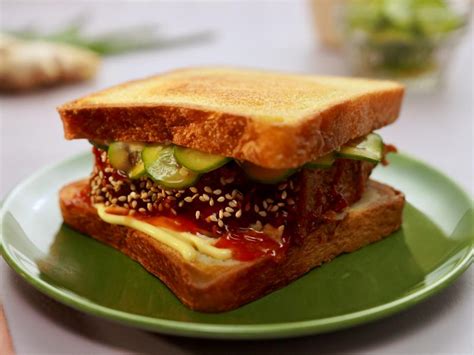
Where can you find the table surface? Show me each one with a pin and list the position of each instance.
(436, 127)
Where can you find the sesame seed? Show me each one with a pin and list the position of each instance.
(281, 228)
(197, 214)
(217, 192)
(149, 207)
(265, 204)
(228, 196)
(207, 189)
(234, 192)
(220, 223)
(283, 194)
(132, 187)
(211, 202)
(233, 203)
(114, 201)
(229, 209)
(238, 214)
(181, 203)
(188, 199)
(262, 213)
(274, 208)
(193, 189)
(280, 204)
(256, 208)
(290, 201)
(171, 198)
(213, 217)
(142, 210)
(221, 199)
(134, 204)
(221, 214)
(282, 186)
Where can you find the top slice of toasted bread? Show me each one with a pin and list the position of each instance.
(274, 120)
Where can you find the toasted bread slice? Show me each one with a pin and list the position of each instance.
(212, 286)
(273, 120)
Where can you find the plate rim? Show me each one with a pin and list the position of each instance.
(232, 331)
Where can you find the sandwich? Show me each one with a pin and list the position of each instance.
(228, 184)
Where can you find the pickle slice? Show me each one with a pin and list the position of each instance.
(197, 161)
(370, 148)
(127, 157)
(323, 162)
(162, 167)
(265, 175)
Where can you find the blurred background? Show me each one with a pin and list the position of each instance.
(55, 51)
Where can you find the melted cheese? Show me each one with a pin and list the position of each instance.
(187, 244)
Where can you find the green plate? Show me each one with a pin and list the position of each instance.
(434, 246)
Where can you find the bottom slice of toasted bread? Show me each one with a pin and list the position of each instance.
(210, 285)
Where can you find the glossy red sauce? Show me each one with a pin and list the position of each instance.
(246, 245)
(249, 245)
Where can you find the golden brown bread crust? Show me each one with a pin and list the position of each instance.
(215, 287)
(273, 120)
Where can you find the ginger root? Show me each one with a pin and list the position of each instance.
(27, 64)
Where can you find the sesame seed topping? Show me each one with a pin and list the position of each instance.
(188, 199)
(134, 204)
(211, 202)
(217, 192)
(221, 214)
(226, 214)
(229, 209)
(149, 207)
(262, 213)
(290, 201)
(220, 223)
(197, 214)
(207, 189)
(193, 189)
(213, 217)
(238, 214)
(283, 194)
(256, 208)
(142, 210)
(233, 203)
(221, 199)
(228, 196)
